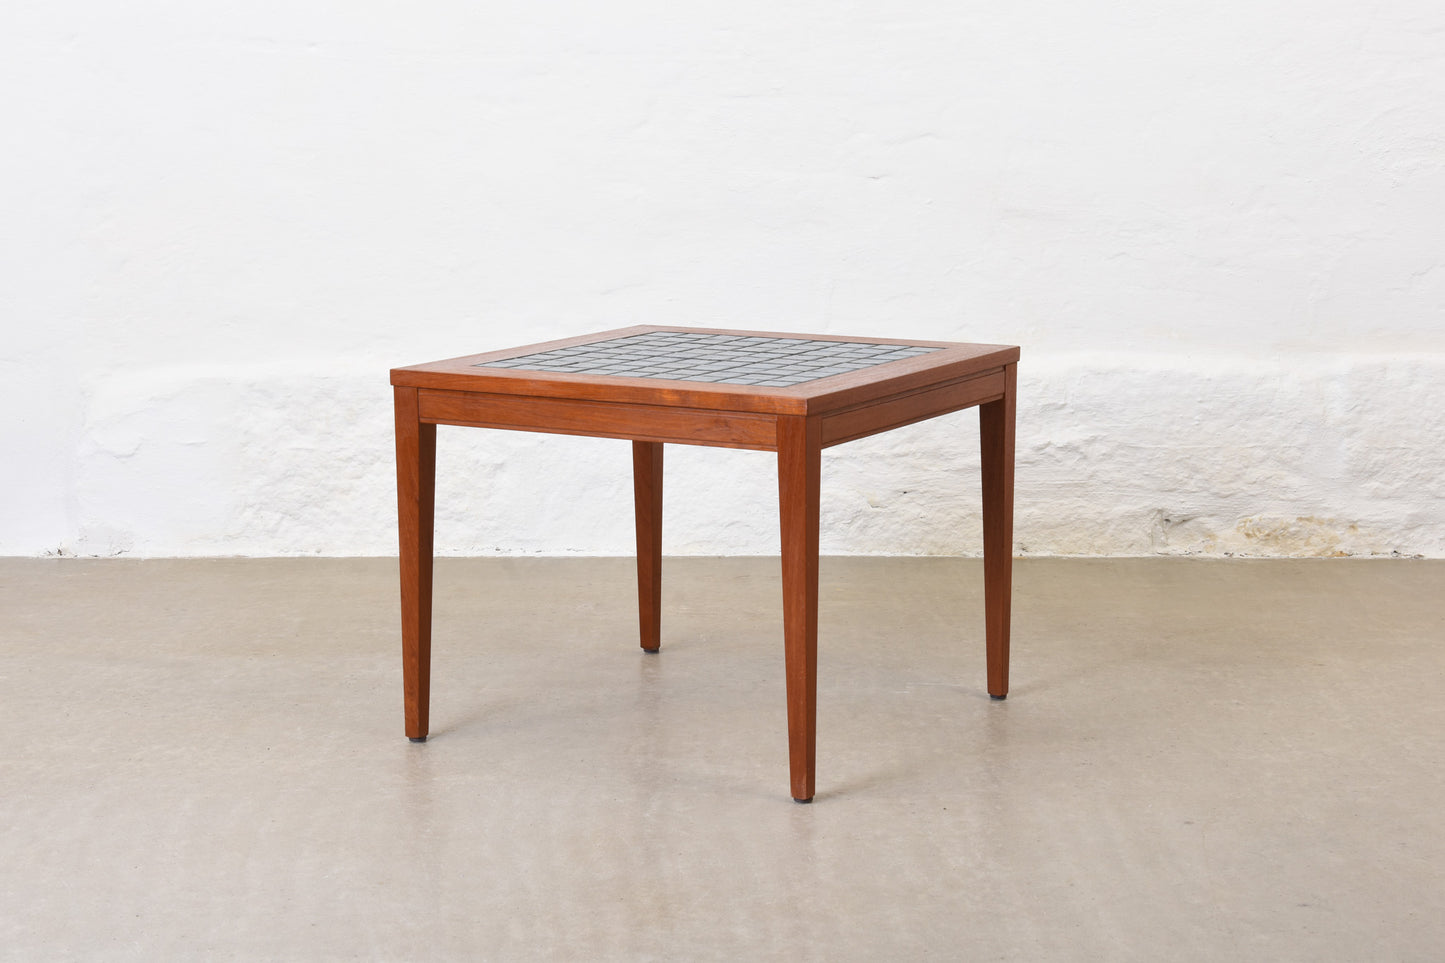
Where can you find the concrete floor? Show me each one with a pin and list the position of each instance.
(1200, 760)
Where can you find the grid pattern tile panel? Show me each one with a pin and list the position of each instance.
(719, 358)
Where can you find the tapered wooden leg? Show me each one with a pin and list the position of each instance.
(647, 498)
(799, 471)
(996, 433)
(416, 462)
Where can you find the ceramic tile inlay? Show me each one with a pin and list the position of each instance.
(721, 358)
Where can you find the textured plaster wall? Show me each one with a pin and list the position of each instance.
(1217, 231)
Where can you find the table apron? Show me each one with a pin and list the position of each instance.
(871, 417)
(687, 426)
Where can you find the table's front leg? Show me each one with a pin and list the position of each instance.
(647, 500)
(799, 473)
(416, 451)
(996, 434)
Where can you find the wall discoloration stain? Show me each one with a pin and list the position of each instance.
(1301, 537)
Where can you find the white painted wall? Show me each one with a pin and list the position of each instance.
(1216, 229)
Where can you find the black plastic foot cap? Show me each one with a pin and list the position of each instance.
(417, 738)
(808, 800)
(652, 651)
(998, 698)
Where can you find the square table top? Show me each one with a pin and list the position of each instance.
(712, 368)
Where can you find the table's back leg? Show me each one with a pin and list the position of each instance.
(799, 473)
(647, 497)
(416, 450)
(996, 433)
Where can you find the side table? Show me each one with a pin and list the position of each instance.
(795, 394)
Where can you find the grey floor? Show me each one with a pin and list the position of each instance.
(1200, 760)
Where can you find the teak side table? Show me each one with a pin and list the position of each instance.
(795, 394)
